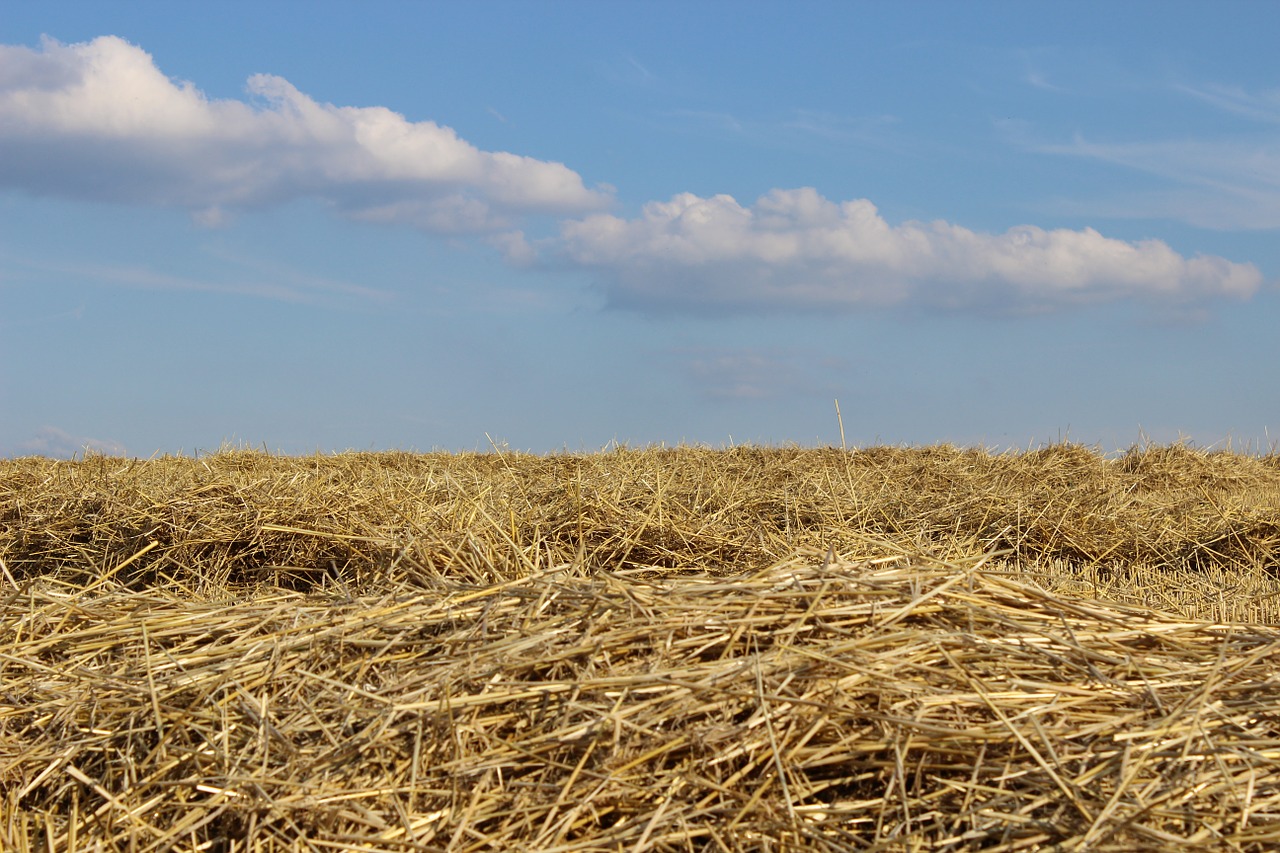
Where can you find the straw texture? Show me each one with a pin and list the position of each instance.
(250, 653)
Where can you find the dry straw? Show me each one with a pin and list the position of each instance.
(756, 649)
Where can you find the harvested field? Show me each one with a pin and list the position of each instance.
(683, 649)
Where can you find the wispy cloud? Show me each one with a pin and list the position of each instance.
(641, 71)
(1235, 166)
(794, 250)
(100, 121)
(303, 286)
(797, 128)
(1033, 61)
(1222, 184)
(1258, 106)
(13, 321)
(714, 119)
(1219, 179)
(56, 443)
(753, 373)
(842, 128)
(237, 275)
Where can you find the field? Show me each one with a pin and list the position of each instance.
(642, 649)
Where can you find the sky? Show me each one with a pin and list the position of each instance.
(556, 226)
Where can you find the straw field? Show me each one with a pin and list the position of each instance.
(759, 649)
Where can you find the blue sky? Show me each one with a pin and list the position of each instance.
(311, 226)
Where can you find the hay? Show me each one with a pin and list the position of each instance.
(1209, 520)
(892, 704)
(396, 652)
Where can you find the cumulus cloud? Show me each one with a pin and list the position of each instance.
(100, 121)
(795, 250)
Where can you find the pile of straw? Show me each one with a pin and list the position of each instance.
(643, 650)
(838, 705)
(1168, 526)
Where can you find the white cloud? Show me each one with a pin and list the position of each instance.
(517, 250)
(795, 250)
(100, 121)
